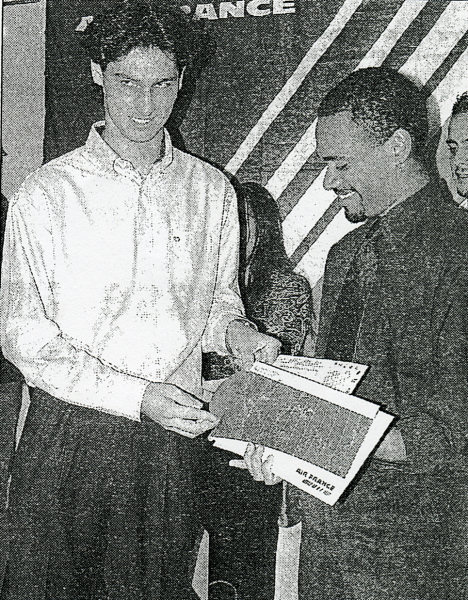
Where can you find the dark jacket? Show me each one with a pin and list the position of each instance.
(414, 327)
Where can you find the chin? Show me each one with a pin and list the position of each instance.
(355, 217)
(463, 192)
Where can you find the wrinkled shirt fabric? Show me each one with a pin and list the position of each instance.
(112, 280)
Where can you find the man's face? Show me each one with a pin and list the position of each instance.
(139, 93)
(358, 167)
(457, 143)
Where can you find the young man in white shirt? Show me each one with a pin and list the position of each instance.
(120, 266)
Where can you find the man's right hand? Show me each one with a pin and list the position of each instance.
(176, 410)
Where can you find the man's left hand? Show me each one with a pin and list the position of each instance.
(392, 447)
(261, 470)
(248, 345)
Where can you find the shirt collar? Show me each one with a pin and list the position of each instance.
(397, 222)
(99, 149)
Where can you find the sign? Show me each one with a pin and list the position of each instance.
(242, 8)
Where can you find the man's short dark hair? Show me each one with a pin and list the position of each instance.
(137, 24)
(382, 100)
(461, 105)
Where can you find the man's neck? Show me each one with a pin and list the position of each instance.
(142, 155)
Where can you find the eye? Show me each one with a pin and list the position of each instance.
(164, 84)
(452, 150)
(128, 83)
(341, 166)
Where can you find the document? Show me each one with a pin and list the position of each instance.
(319, 437)
(339, 375)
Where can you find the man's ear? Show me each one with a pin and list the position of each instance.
(96, 72)
(181, 77)
(401, 146)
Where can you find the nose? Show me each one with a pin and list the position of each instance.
(331, 180)
(461, 157)
(145, 103)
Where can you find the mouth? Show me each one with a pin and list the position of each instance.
(142, 121)
(461, 174)
(343, 194)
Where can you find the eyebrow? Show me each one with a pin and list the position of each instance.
(329, 158)
(124, 76)
(450, 141)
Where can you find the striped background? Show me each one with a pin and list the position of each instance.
(253, 110)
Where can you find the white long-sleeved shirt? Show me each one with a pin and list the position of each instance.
(112, 280)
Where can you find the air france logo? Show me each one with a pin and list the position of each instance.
(244, 8)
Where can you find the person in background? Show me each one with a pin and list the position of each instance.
(240, 515)
(395, 298)
(457, 142)
(120, 267)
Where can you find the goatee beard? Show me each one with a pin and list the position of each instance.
(355, 217)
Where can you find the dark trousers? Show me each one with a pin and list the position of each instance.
(241, 517)
(10, 405)
(101, 508)
(396, 537)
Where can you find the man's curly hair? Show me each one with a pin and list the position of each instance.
(139, 24)
(461, 105)
(382, 100)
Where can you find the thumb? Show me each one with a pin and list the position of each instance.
(184, 398)
(246, 360)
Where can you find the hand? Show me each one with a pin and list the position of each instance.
(176, 410)
(392, 447)
(260, 470)
(248, 345)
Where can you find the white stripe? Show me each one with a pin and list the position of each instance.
(296, 159)
(308, 210)
(312, 264)
(453, 84)
(438, 43)
(318, 48)
(408, 11)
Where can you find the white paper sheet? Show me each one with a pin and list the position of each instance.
(339, 375)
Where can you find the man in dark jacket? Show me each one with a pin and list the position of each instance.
(395, 298)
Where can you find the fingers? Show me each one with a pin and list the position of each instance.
(253, 460)
(191, 427)
(247, 345)
(260, 471)
(269, 352)
(181, 397)
(185, 406)
(270, 478)
(187, 412)
(239, 464)
(245, 361)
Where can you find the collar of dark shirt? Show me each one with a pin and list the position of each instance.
(111, 161)
(396, 223)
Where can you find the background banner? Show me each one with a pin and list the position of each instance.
(253, 109)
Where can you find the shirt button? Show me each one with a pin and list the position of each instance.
(176, 238)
